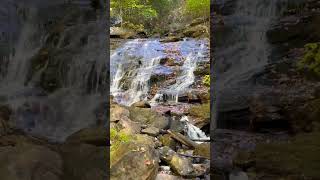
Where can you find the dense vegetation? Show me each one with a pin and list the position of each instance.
(158, 14)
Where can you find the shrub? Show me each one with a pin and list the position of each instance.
(311, 59)
(206, 80)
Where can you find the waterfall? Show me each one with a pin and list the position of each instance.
(75, 67)
(243, 52)
(133, 65)
(246, 50)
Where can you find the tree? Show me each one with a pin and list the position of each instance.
(198, 8)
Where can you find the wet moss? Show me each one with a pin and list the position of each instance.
(118, 140)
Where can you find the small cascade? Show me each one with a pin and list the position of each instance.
(193, 132)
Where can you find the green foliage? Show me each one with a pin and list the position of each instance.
(311, 58)
(117, 138)
(206, 80)
(137, 12)
(198, 8)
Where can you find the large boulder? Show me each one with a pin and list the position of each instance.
(22, 159)
(95, 136)
(134, 161)
(84, 162)
(148, 117)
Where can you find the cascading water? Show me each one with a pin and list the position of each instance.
(134, 64)
(244, 51)
(193, 132)
(64, 92)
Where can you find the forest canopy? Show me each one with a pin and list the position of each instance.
(153, 14)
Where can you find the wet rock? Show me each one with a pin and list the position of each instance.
(167, 61)
(139, 162)
(95, 136)
(167, 177)
(118, 32)
(25, 160)
(171, 39)
(166, 153)
(181, 165)
(203, 150)
(196, 31)
(141, 104)
(144, 139)
(118, 113)
(166, 140)
(119, 118)
(200, 115)
(84, 162)
(148, 117)
(151, 131)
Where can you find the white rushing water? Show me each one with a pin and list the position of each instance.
(193, 132)
(248, 50)
(133, 65)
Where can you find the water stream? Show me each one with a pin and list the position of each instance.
(138, 61)
(245, 50)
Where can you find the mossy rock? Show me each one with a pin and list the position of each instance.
(201, 114)
(202, 150)
(299, 157)
(167, 140)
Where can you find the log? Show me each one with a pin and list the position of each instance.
(181, 138)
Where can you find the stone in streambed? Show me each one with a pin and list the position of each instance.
(95, 136)
(20, 159)
(166, 140)
(179, 165)
(148, 117)
(141, 104)
(139, 162)
(202, 150)
(151, 131)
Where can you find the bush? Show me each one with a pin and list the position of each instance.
(206, 80)
(311, 59)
